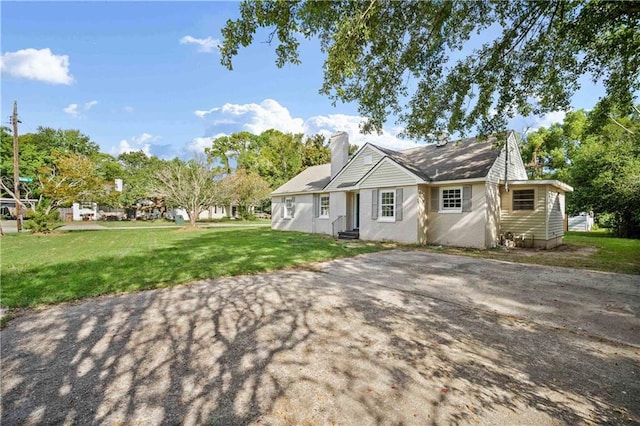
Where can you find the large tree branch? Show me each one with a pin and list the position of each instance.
(621, 125)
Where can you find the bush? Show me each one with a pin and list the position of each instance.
(41, 221)
(245, 215)
(605, 220)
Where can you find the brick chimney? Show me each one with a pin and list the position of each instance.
(339, 144)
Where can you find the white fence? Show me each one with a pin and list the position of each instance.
(582, 222)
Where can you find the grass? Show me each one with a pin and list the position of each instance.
(54, 268)
(132, 223)
(61, 267)
(165, 222)
(585, 250)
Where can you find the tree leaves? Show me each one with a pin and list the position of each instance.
(601, 162)
(406, 59)
(275, 156)
(190, 185)
(74, 178)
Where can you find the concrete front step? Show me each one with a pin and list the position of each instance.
(349, 235)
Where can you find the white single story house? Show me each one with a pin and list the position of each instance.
(465, 193)
(213, 212)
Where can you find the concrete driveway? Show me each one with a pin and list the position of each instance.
(399, 337)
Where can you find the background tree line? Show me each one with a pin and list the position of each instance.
(240, 170)
(601, 162)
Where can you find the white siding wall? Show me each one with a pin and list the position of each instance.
(516, 169)
(555, 207)
(404, 231)
(492, 229)
(531, 223)
(545, 225)
(356, 168)
(460, 229)
(388, 174)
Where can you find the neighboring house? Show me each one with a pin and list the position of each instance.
(213, 212)
(465, 193)
(85, 211)
(8, 207)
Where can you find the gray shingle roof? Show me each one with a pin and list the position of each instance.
(463, 159)
(312, 179)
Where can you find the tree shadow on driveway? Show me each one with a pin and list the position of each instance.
(369, 340)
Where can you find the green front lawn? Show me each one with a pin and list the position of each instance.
(587, 250)
(131, 223)
(44, 269)
(612, 254)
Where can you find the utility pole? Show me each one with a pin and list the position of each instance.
(16, 172)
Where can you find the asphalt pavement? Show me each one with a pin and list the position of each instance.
(398, 337)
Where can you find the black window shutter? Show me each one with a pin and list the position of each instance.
(398, 204)
(316, 205)
(466, 198)
(374, 204)
(434, 199)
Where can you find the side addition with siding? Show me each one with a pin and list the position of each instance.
(534, 211)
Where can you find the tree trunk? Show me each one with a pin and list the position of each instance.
(193, 216)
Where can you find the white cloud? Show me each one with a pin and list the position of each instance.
(72, 110)
(333, 123)
(551, 118)
(533, 123)
(254, 118)
(75, 110)
(138, 143)
(197, 145)
(128, 109)
(143, 138)
(269, 114)
(205, 45)
(34, 64)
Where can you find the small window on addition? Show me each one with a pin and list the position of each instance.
(367, 159)
(524, 199)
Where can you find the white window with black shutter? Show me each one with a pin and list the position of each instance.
(321, 206)
(289, 204)
(386, 205)
(452, 199)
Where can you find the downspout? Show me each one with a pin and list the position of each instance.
(506, 166)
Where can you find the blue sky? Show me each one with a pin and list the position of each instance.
(147, 75)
